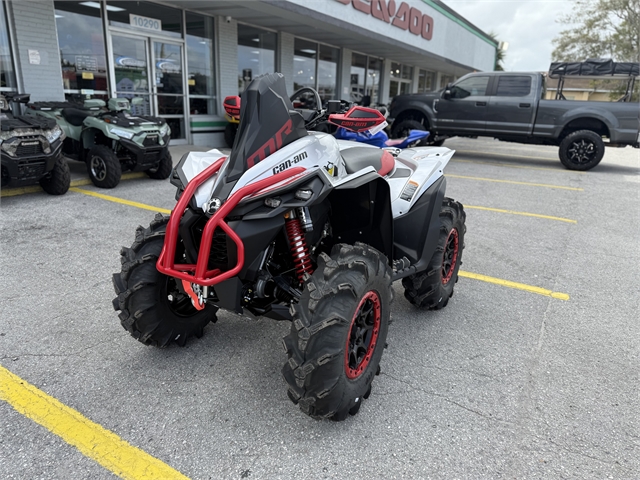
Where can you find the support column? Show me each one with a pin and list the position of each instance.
(285, 63)
(385, 81)
(344, 81)
(227, 59)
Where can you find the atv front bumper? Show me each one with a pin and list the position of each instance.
(24, 170)
(145, 157)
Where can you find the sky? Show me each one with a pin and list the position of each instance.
(528, 26)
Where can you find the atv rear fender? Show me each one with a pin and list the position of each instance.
(416, 232)
(361, 212)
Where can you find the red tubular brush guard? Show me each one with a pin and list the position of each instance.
(198, 273)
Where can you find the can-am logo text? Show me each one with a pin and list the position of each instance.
(403, 16)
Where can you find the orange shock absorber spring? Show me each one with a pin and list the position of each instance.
(299, 250)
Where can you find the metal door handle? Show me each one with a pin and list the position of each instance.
(525, 105)
(481, 104)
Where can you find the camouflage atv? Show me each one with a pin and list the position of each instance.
(31, 150)
(110, 140)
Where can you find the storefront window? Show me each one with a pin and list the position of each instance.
(445, 80)
(145, 18)
(7, 72)
(200, 64)
(131, 70)
(316, 66)
(256, 54)
(374, 71)
(304, 64)
(82, 48)
(425, 81)
(400, 82)
(358, 77)
(365, 79)
(328, 72)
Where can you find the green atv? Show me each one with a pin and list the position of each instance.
(31, 149)
(110, 140)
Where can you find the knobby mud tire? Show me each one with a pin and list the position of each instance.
(109, 171)
(146, 311)
(164, 168)
(318, 373)
(57, 181)
(432, 288)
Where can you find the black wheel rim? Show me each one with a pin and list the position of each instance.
(450, 256)
(98, 168)
(582, 151)
(363, 335)
(178, 302)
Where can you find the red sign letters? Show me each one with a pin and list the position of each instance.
(403, 17)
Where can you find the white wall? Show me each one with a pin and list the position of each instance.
(450, 39)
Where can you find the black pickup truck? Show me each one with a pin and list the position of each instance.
(510, 107)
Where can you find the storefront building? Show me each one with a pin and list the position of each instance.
(184, 57)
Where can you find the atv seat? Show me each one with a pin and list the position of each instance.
(75, 116)
(357, 158)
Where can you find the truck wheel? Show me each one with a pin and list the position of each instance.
(163, 170)
(581, 150)
(432, 288)
(152, 307)
(104, 167)
(230, 134)
(58, 180)
(338, 332)
(403, 128)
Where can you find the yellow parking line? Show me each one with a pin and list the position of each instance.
(12, 192)
(93, 440)
(526, 214)
(119, 200)
(497, 164)
(516, 183)
(516, 285)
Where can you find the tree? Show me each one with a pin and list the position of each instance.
(500, 53)
(600, 29)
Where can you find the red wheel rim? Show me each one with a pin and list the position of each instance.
(450, 256)
(363, 335)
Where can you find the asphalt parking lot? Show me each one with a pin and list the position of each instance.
(503, 383)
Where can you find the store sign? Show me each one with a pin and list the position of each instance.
(399, 14)
(145, 22)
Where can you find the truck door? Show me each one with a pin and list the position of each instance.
(512, 107)
(465, 109)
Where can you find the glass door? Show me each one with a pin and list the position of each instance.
(132, 72)
(168, 86)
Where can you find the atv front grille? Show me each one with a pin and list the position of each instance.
(152, 139)
(29, 146)
(31, 169)
(150, 157)
(218, 257)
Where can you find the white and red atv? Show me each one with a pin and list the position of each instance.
(296, 225)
